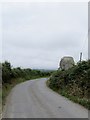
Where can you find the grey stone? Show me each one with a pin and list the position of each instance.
(66, 63)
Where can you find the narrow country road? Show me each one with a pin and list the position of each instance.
(33, 99)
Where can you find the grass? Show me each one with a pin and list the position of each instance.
(0, 101)
(82, 101)
(6, 88)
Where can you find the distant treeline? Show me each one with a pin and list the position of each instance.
(73, 83)
(9, 73)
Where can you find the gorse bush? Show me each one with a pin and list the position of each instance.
(73, 82)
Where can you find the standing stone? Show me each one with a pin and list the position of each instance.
(66, 63)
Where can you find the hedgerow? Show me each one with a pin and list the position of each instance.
(73, 83)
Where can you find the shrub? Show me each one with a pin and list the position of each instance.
(73, 82)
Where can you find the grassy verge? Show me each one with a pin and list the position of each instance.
(6, 88)
(0, 101)
(82, 101)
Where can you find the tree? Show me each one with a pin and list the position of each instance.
(6, 72)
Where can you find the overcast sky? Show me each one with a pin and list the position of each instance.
(38, 35)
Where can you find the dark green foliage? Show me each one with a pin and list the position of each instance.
(9, 73)
(6, 72)
(74, 82)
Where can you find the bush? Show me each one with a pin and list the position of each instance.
(74, 81)
(9, 73)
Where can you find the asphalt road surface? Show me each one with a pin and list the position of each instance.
(33, 99)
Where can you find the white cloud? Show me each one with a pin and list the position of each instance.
(37, 35)
(44, 0)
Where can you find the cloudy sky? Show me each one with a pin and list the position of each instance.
(38, 35)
